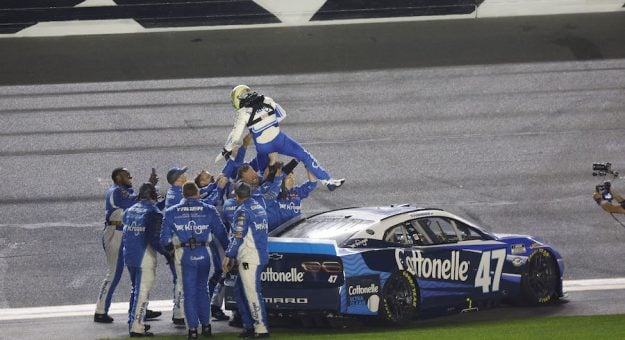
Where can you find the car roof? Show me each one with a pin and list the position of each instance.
(373, 214)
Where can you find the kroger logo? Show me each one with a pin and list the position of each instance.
(191, 226)
(134, 228)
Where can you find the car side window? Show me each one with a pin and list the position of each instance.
(397, 234)
(439, 229)
(466, 232)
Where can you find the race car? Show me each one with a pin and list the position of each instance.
(396, 263)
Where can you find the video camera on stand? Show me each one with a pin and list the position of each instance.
(604, 169)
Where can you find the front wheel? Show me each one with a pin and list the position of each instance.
(539, 283)
(400, 299)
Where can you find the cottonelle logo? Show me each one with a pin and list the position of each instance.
(358, 289)
(423, 267)
(291, 276)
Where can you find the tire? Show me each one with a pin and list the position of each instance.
(400, 300)
(541, 279)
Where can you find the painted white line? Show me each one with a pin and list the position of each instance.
(594, 284)
(117, 308)
(73, 310)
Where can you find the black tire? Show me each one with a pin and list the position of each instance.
(541, 279)
(400, 300)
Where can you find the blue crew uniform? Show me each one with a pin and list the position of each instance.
(267, 196)
(290, 201)
(189, 226)
(142, 224)
(248, 245)
(118, 199)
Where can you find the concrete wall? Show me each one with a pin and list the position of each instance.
(28, 18)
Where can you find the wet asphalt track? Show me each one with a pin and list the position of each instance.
(498, 124)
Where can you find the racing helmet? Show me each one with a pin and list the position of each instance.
(237, 93)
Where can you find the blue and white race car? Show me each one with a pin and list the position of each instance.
(397, 263)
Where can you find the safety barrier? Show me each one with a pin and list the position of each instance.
(77, 17)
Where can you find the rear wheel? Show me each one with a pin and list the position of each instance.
(400, 299)
(539, 284)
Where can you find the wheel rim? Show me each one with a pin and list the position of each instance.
(398, 298)
(542, 276)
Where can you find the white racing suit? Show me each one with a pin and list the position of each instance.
(263, 123)
(118, 199)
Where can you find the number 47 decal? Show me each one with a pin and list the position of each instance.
(483, 276)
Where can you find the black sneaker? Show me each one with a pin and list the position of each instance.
(249, 333)
(178, 321)
(102, 318)
(206, 331)
(150, 314)
(141, 335)
(192, 334)
(261, 335)
(218, 314)
(237, 323)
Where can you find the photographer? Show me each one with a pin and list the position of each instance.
(604, 196)
(609, 205)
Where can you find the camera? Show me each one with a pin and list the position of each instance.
(603, 169)
(604, 190)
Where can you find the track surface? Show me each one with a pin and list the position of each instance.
(507, 143)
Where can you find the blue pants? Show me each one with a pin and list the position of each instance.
(285, 145)
(249, 298)
(141, 280)
(196, 301)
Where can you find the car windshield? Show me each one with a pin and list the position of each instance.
(327, 227)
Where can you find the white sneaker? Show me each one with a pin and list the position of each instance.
(332, 183)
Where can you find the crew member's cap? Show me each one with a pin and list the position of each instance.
(242, 189)
(174, 173)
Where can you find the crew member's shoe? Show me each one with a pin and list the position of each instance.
(150, 314)
(178, 321)
(192, 334)
(261, 335)
(141, 335)
(236, 320)
(102, 318)
(332, 184)
(249, 333)
(218, 314)
(206, 331)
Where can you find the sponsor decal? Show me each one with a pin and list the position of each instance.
(291, 207)
(518, 249)
(517, 261)
(196, 258)
(189, 208)
(192, 226)
(359, 243)
(359, 290)
(447, 269)
(262, 225)
(364, 291)
(534, 245)
(275, 256)
(292, 300)
(268, 275)
(134, 228)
